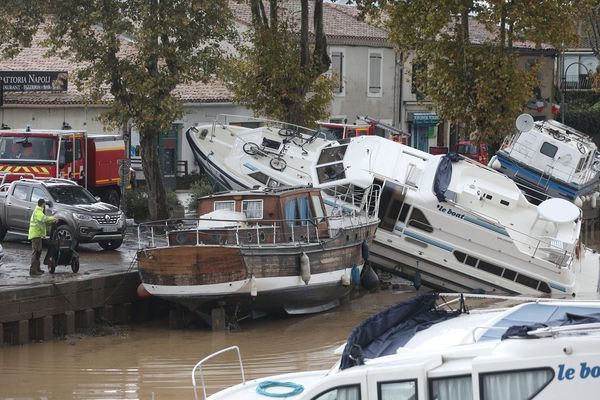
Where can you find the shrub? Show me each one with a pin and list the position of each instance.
(136, 206)
(199, 189)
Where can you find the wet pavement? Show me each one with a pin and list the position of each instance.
(94, 261)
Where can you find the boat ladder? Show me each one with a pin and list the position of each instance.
(201, 362)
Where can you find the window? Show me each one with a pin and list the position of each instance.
(21, 192)
(319, 212)
(297, 211)
(263, 178)
(253, 209)
(228, 205)
(451, 388)
(576, 70)
(402, 390)
(337, 69)
(515, 385)
(341, 393)
(419, 72)
(375, 73)
(548, 149)
(332, 154)
(392, 206)
(37, 194)
(418, 220)
(331, 172)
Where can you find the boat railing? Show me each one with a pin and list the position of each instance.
(221, 232)
(354, 200)
(198, 366)
(225, 119)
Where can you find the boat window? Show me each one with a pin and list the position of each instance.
(580, 164)
(460, 256)
(297, 211)
(318, 207)
(400, 390)
(332, 154)
(228, 205)
(548, 149)
(418, 220)
(515, 385)
(265, 179)
(253, 209)
(340, 393)
(451, 388)
(392, 207)
(331, 172)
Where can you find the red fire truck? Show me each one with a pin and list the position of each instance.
(90, 160)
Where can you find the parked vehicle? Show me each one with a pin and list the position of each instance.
(472, 150)
(80, 215)
(543, 350)
(90, 160)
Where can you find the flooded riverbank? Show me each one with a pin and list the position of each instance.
(150, 361)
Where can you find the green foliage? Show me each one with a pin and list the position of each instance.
(199, 189)
(587, 122)
(132, 55)
(269, 75)
(137, 204)
(477, 84)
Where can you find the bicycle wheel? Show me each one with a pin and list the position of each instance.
(250, 148)
(278, 164)
(285, 132)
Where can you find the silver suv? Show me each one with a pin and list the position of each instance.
(80, 215)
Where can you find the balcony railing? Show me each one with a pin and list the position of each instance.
(576, 82)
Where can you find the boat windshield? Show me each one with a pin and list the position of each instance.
(534, 313)
(27, 148)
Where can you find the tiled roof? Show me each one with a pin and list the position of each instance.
(479, 34)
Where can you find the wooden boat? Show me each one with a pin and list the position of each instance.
(259, 250)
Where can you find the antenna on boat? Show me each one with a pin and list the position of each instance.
(524, 122)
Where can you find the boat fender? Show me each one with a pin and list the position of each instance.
(346, 278)
(142, 292)
(365, 250)
(578, 201)
(305, 268)
(417, 281)
(355, 273)
(495, 163)
(369, 278)
(253, 288)
(262, 387)
(595, 199)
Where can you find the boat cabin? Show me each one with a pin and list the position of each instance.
(300, 212)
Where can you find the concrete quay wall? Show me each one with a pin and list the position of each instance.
(49, 310)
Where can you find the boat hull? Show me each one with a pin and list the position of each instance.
(265, 277)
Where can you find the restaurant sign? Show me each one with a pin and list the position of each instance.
(34, 81)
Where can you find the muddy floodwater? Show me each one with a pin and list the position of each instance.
(150, 361)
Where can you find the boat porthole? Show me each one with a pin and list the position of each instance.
(249, 237)
(356, 236)
(262, 236)
(180, 238)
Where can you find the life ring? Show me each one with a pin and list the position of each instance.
(263, 386)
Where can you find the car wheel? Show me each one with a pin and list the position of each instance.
(63, 233)
(111, 244)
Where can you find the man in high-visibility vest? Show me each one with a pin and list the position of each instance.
(37, 231)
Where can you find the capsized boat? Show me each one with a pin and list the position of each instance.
(549, 159)
(446, 222)
(538, 349)
(259, 250)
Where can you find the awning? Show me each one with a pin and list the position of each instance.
(424, 118)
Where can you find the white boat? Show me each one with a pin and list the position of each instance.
(535, 350)
(549, 159)
(451, 225)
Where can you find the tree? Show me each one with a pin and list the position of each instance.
(479, 85)
(137, 51)
(279, 72)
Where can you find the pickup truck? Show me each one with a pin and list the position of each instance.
(80, 215)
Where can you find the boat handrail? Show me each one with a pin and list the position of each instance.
(199, 365)
(553, 331)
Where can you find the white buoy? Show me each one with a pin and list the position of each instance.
(495, 163)
(305, 268)
(595, 199)
(253, 288)
(578, 201)
(346, 278)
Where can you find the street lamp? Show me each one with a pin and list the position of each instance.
(563, 109)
